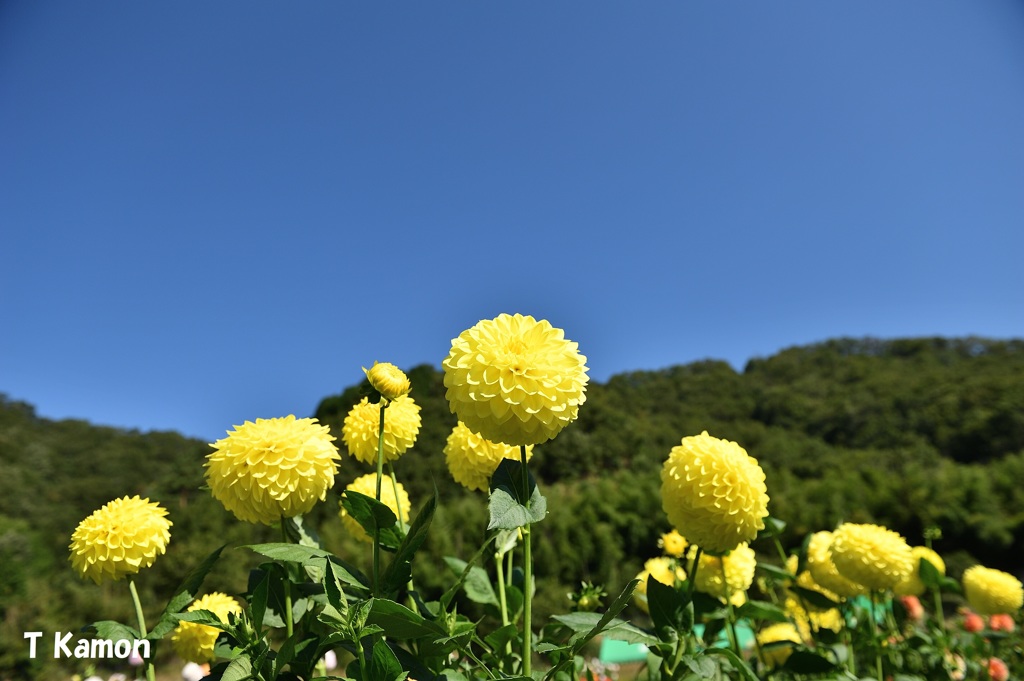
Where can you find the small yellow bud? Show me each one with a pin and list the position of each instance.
(387, 379)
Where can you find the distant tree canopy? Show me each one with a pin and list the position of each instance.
(908, 433)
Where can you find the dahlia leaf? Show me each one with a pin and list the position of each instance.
(113, 631)
(668, 608)
(738, 664)
(400, 569)
(777, 573)
(806, 662)
(399, 622)
(761, 610)
(446, 599)
(300, 532)
(929, 574)
(292, 553)
(384, 665)
(374, 517)
(704, 667)
(815, 598)
(239, 669)
(477, 584)
(511, 506)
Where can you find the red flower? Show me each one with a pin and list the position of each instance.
(997, 669)
(915, 611)
(972, 621)
(1001, 622)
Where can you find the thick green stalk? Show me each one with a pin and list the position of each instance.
(289, 626)
(528, 581)
(380, 476)
(874, 634)
(730, 620)
(150, 670)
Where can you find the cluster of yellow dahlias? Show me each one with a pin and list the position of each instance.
(195, 642)
(912, 584)
(823, 570)
(871, 555)
(123, 537)
(361, 430)
(272, 468)
(714, 493)
(515, 380)
(662, 569)
(992, 592)
(472, 459)
(727, 577)
(367, 486)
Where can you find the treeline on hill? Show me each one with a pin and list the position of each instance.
(908, 433)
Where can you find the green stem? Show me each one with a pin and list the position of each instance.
(692, 576)
(874, 634)
(528, 579)
(499, 563)
(150, 670)
(730, 620)
(289, 626)
(380, 476)
(410, 586)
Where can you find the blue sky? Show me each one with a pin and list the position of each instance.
(213, 212)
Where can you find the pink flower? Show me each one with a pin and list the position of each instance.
(915, 611)
(1001, 622)
(997, 669)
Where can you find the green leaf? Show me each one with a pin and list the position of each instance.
(260, 594)
(477, 584)
(448, 595)
(763, 611)
(511, 506)
(399, 622)
(777, 573)
(929, 574)
(114, 631)
(292, 553)
(333, 589)
(704, 667)
(587, 625)
(814, 598)
(806, 662)
(502, 635)
(384, 665)
(670, 609)
(183, 595)
(239, 669)
(373, 516)
(300, 533)
(400, 569)
(738, 664)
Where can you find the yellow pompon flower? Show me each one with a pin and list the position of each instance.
(714, 493)
(660, 569)
(673, 544)
(821, 619)
(195, 642)
(472, 459)
(361, 430)
(387, 379)
(515, 380)
(871, 555)
(992, 592)
(367, 486)
(912, 585)
(738, 567)
(823, 570)
(776, 655)
(806, 580)
(272, 468)
(123, 537)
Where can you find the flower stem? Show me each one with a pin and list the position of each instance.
(528, 579)
(380, 476)
(150, 671)
(289, 624)
(874, 634)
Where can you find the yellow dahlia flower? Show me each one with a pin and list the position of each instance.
(387, 379)
(361, 430)
(714, 493)
(912, 585)
(673, 544)
(776, 656)
(804, 619)
(194, 642)
(992, 592)
(806, 580)
(660, 569)
(823, 570)
(727, 576)
(272, 468)
(515, 380)
(367, 486)
(472, 459)
(120, 539)
(871, 555)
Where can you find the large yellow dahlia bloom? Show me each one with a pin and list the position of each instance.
(992, 592)
(912, 585)
(515, 380)
(662, 569)
(714, 493)
(367, 486)
(194, 642)
(272, 468)
(871, 555)
(729, 576)
(123, 537)
(472, 459)
(823, 570)
(776, 656)
(387, 379)
(361, 430)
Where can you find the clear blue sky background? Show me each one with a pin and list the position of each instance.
(213, 212)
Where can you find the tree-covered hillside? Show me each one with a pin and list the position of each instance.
(908, 433)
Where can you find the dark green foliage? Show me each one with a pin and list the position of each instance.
(909, 433)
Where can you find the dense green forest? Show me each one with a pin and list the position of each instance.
(909, 433)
